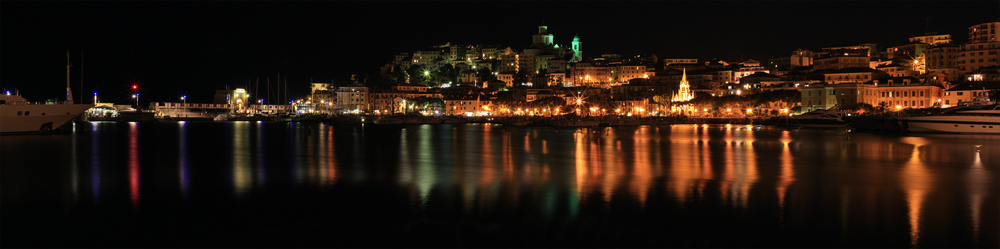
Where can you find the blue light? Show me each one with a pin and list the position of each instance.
(95, 93)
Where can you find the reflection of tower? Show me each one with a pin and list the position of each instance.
(684, 94)
(577, 49)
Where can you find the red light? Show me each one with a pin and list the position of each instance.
(135, 87)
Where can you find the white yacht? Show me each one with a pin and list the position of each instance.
(17, 115)
(979, 119)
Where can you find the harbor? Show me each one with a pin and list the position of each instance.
(343, 124)
(313, 184)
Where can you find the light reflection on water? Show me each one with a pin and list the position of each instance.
(839, 185)
(917, 181)
(133, 163)
(183, 158)
(240, 155)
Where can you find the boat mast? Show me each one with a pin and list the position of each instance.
(69, 92)
(81, 78)
(278, 95)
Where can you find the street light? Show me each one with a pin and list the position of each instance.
(184, 99)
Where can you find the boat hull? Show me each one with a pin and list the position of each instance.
(571, 123)
(953, 124)
(388, 121)
(40, 118)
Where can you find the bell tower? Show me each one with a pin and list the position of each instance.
(577, 49)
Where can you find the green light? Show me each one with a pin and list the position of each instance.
(426, 72)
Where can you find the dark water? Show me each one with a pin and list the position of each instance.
(243, 184)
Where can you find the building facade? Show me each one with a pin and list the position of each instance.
(351, 98)
(932, 39)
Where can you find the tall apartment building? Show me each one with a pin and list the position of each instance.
(513, 63)
(932, 39)
(801, 58)
(352, 98)
(456, 52)
(426, 56)
(907, 51)
(842, 57)
(679, 61)
(625, 73)
(942, 56)
(983, 49)
(589, 74)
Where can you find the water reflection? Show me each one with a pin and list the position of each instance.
(425, 174)
(916, 180)
(757, 182)
(74, 167)
(183, 159)
(787, 176)
(95, 163)
(242, 178)
(740, 168)
(978, 186)
(133, 163)
(261, 170)
(642, 175)
(329, 168)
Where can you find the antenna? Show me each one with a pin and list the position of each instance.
(81, 78)
(69, 92)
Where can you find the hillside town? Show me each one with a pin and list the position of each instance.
(546, 79)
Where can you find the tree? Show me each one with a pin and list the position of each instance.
(485, 74)
(446, 73)
(399, 73)
(520, 77)
(423, 103)
(379, 81)
(597, 101)
(416, 73)
(548, 102)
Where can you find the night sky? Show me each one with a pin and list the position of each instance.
(192, 48)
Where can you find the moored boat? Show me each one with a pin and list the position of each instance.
(982, 119)
(17, 115)
(814, 119)
(573, 123)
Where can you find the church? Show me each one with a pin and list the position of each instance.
(684, 93)
(543, 60)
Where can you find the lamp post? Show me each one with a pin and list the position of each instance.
(184, 100)
(136, 97)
